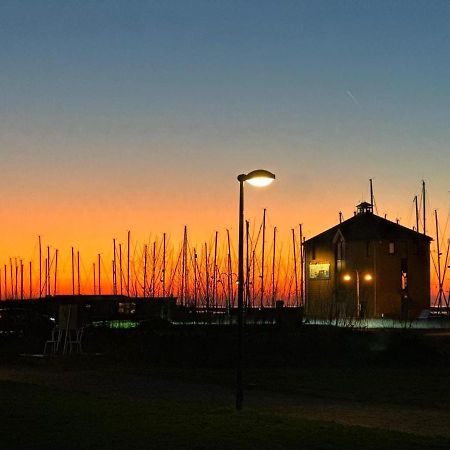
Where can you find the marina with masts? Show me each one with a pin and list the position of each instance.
(198, 276)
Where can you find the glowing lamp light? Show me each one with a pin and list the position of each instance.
(347, 277)
(368, 277)
(260, 181)
(259, 178)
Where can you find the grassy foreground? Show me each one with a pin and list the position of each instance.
(37, 417)
(308, 388)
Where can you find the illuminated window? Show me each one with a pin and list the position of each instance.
(126, 308)
(391, 247)
(319, 271)
(404, 280)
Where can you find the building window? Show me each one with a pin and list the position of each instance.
(391, 247)
(340, 255)
(404, 280)
(319, 271)
(340, 250)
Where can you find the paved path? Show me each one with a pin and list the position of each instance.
(111, 384)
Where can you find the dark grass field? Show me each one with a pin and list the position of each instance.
(312, 389)
(42, 418)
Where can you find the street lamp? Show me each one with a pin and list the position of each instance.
(258, 178)
(367, 277)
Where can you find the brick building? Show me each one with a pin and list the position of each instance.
(369, 267)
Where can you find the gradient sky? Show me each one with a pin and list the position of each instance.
(139, 115)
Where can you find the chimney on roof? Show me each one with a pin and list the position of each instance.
(364, 208)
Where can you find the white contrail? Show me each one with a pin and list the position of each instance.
(352, 97)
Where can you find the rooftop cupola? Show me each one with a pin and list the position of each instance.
(364, 208)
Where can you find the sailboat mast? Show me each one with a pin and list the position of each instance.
(95, 283)
(145, 271)
(424, 211)
(183, 262)
(114, 268)
(5, 281)
(11, 295)
(11, 277)
(417, 212)
(17, 276)
(56, 271)
(371, 193)
(262, 257)
(295, 267)
(183, 269)
(186, 271)
(40, 267)
(230, 275)
(253, 278)
(438, 260)
(153, 268)
(73, 273)
(46, 275)
(164, 267)
(302, 264)
(447, 300)
(78, 272)
(128, 263)
(49, 292)
(273, 265)
(21, 280)
(99, 275)
(247, 264)
(121, 271)
(207, 277)
(215, 272)
(31, 282)
(186, 268)
(195, 279)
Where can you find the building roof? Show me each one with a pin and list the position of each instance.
(369, 226)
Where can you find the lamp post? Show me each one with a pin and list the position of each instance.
(259, 178)
(367, 277)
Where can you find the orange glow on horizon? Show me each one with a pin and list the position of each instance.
(59, 279)
(90, 222)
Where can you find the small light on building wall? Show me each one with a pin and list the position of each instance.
(347, 277)
(368, 277)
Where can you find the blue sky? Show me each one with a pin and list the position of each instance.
(327, 94)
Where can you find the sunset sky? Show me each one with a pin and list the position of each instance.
(139, 115)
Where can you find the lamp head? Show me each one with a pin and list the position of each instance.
(258, 178)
